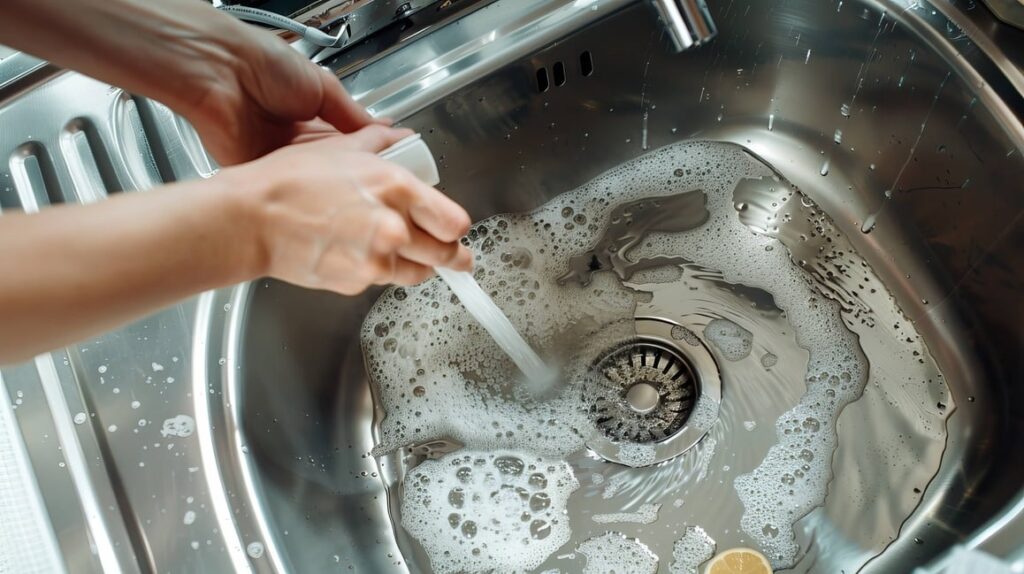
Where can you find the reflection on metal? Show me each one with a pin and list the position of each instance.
(647, 392)
(688, 22)
(302, 428)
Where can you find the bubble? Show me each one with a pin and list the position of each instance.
(509, 465)
(540, 529)
(181, 426)
(254, 549)
(539, 502)
(456, 497)
(502, 523)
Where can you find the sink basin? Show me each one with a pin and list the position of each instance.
(865, 109)
(894, 125)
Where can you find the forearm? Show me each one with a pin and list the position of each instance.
(73, 271)
(172, 50)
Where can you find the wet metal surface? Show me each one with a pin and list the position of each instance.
(249, 447)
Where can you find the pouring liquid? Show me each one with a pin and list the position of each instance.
(538, 375)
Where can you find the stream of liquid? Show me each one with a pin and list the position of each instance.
(536, 373)
(832, 420)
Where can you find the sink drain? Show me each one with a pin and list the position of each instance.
(652, 392)
(648, 395)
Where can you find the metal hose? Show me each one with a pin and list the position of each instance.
(308, 33)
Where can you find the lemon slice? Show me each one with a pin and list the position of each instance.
(739, 561)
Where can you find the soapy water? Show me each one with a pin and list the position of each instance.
(692, 550)
(772, 305)
(470, 509)
(734, 342)
(646, 514)
(538, 375)
(613, 552)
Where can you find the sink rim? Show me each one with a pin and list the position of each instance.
(391, 99)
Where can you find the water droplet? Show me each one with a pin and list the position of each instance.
(254, 549)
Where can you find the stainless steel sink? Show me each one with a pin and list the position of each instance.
(901, 120)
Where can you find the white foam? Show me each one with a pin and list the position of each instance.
(613, 552)
(646, 514)
(181, 426)
(637, 455)
(439, 375)
(493, 320)
(733, 341)
(488, 511)
(613, 485)
(693, 549)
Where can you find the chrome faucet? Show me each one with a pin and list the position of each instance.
(688, 22)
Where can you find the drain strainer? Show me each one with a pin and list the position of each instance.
(652, 393)
(647, 393)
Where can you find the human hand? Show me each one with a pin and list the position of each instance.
(331, 214)
(245, 90)
(270, 97)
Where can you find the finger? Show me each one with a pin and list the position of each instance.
(377, 138)
(427, 250)
(338, 108)
(428, 208)
(440, 216)
(390, 234)
(407, 272)
(313, 130)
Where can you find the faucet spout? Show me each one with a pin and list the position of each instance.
(688, 22)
